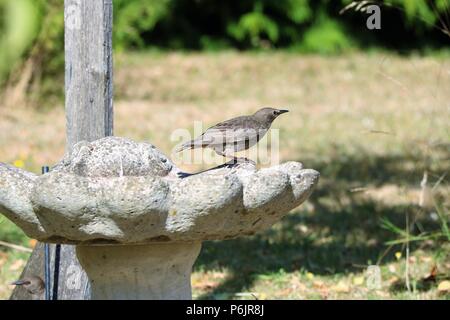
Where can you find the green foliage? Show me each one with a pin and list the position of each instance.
(132, 18)
(48, 51)
(298, 11)
(35, 28)
(254, 26)
(416, 10)
(440, 232)
(326, 36)
(19, 23)
(11, 233)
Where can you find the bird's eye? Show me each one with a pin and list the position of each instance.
(275, 113)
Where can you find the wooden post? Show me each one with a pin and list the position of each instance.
(89, 114)
(88, 49)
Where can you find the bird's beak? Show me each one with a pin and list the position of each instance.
(20, 282)
(282, 111)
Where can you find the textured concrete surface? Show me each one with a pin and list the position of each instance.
(140, 272)
(117, 191)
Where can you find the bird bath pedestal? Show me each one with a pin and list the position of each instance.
(138, 226)
(147, 271)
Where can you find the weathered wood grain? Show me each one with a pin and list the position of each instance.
(88, 77)
(89, 116)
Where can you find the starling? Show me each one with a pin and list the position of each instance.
(33, 284)
(236, 134)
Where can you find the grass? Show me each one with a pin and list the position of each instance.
(11, 261)
(372, 124)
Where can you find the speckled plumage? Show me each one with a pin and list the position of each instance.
(235, 134)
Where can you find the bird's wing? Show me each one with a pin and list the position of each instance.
(235, 130)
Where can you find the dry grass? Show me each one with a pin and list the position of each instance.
(334, 101)
(372, 122)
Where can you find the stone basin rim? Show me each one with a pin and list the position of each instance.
(84, 202)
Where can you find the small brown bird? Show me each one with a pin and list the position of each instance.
(236, 134)
(33, 284)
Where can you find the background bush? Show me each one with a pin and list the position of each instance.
(34, 29)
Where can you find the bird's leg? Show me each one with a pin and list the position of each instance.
(230, 164)
(244, 159)
(235, 160)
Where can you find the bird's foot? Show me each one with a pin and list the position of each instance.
(239, 160)
(182, 175)
(245, 160)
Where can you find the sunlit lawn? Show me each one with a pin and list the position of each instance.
(371, 124)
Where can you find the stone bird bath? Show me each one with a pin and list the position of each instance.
(137, 225)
